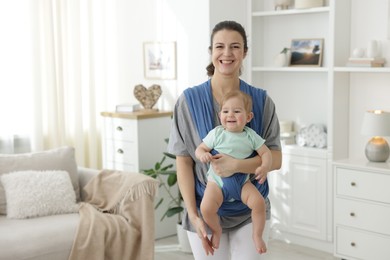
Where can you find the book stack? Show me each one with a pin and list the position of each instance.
(126, 108)
(366, 62)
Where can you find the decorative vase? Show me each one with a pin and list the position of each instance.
(283, 58)
(372, 49)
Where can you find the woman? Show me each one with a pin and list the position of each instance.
(195, 114)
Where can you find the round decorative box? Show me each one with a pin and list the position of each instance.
(303, 4)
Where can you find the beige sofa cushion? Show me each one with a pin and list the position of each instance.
(44, 238)
(62, 158)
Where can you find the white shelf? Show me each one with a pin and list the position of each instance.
(295, 149)
(362, 70)
(292, 12)
(290, 69)
(363, 163)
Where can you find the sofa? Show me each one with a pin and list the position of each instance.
(29, 230)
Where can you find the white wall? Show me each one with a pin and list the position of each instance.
(186, 22)
(189, 23)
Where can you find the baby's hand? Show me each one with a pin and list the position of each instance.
(261, 174)
(206, 157)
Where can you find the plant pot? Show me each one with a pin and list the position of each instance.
(183, 239)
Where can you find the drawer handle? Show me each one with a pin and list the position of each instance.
(119, 128)
(352, 214)
(353, 244)
(120, 151)
(353, 184)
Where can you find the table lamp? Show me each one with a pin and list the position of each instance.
(376, 123)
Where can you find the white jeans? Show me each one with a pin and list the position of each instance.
(234, 245)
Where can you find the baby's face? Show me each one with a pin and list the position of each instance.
(233, 115)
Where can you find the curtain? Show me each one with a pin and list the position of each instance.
(58, 59)
(15, 76)
(75, 62)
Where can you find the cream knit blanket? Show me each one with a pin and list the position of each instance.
(116, 218)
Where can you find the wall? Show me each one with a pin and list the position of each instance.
(189, 23)
(186, 22)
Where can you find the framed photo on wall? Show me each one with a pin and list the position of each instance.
(306, 52)
(160, 60)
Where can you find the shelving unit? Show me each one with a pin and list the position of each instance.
(297, 217)
(333, 95)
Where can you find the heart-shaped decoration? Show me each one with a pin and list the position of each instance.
(147, 96)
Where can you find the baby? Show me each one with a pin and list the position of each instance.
(234, 138)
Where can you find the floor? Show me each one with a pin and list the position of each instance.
(167, 249)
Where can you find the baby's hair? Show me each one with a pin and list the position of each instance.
(238, 93)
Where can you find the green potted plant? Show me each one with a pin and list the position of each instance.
(165, 173)
(167, 177)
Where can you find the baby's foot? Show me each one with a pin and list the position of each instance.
(260, 244)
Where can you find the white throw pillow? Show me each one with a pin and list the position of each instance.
(38, 193)
(62, 158)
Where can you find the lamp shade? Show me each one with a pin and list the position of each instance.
(376, 123)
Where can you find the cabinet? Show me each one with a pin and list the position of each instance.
(361, 210)
(332, 94)
(133, 142)
(298, 197)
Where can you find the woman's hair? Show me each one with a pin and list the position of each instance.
(226, 25)
(247, 99)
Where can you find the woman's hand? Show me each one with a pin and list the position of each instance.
(200, 228)
(224, 165)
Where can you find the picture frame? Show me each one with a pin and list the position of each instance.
(159, 60)
(306, 52)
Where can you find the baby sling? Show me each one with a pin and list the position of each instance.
(200, 103)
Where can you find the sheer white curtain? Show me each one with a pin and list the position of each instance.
(76, 51)
(15, 76)
(71, 61)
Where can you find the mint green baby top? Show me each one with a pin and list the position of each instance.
(238, 145)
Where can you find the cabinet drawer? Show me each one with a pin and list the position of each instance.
(122, 152)
(120, 129)
(361, 245)
(373, 217)
(364, 185)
